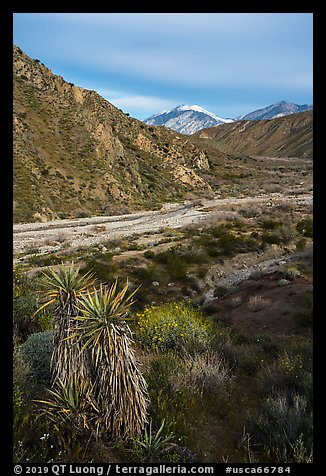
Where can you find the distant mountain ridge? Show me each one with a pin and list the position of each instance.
(288, 136)
(186, 119)
(280, 109)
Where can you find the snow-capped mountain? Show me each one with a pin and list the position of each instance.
(280, 109)
(186, 119)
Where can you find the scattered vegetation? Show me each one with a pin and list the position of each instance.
(196, 367)
(195, 370)
(105, 371)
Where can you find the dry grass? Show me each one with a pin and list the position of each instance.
(257, 303)
(202, 374)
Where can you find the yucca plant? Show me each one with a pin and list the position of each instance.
(119, 387)
(71, 403)
(150, 445)
(65, 289)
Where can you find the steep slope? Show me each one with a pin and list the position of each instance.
(75, 154)
(289, 136)
(280, 109)
(186, 119)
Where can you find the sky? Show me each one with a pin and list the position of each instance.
(143, 63)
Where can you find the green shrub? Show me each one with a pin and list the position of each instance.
(270, 224)
(284, 420)
(37, 350)
(268, 344)
(220, 241)
(147, 275)
(21, 371)
(105, 270)
(24, 307)
(161, 370)
(173, 326)
(283, 282)
(149, 254)
(304, 317)
(220, 291)
(305, 227)
(292, 272)
(270, 239)
(301, 244)
(175, 261)
(291, 371)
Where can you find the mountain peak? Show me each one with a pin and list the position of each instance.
(186, 119)
(279, 109)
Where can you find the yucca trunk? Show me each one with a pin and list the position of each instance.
(120, 389)
(67, 359)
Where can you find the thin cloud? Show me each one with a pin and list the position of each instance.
(142, 103)
(197, 58)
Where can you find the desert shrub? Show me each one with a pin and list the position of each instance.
(301, 244)
(220, 291)
(283, 422)
(283, 282)
(82, 213)
(249, 211)
(147, 274)
(286, 234)
(291, 371)
(238, 350)
(136, 247)
(24, 307)
(305, 227)
(244, 357)
(269, 224)
(220, 241)
(48, 259)
(268, 344)
(161, 370)
(278, 235)
(104, 269)
(270, 238)
(173, 326)
(236, 301)
(304, 317)
(37, 350)
(38, 440)
(21, 371)
(292, 272)
(149, 254)
(175, 261)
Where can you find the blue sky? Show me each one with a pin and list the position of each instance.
(143, 63)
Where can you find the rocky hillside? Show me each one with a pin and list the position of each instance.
(75, 154)
(288, 136)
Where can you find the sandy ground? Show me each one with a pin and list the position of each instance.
(52, 235)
